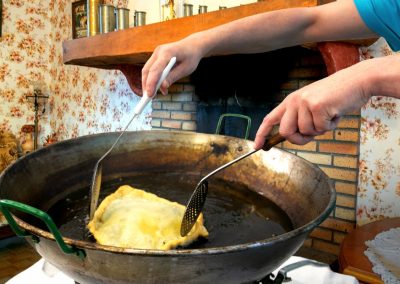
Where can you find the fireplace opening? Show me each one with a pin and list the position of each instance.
(251, 85)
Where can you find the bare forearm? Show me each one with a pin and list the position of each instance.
(384, 76)
(258, 33)
(283, 28)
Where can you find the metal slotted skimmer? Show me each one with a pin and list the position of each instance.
(198, 198)
(97, 174)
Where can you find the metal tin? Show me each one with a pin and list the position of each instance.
(122, 18)
(139, 18)
(202, 9)
(187, 10)
(93, 10)
(107, 18)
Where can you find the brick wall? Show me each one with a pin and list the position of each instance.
(336, 152)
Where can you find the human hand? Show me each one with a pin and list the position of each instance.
(318, 107)
(188, 54)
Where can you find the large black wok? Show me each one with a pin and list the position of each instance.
(259, 211)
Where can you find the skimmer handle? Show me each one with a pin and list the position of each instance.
(145, 98)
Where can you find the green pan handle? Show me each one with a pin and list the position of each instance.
(5, 204)
(218, 130)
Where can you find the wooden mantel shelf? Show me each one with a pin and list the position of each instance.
(135, 45)
(129, 49)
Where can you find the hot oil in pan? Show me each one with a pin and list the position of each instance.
(233, 214)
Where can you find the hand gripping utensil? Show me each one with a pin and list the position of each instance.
(198, 198)
(96, 179)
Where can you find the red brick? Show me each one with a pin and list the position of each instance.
(326, 136)
(346, 201)
(181, 115)
(340, 174)
(307, 243)
(349, 122)
(189, 125)
(326, 247)
(186, 97)
(161, 114)
(338, 55)
(156, 105)
(338, 225)
(347, 188)
(162, 98)
(338, 148)
(345, 213)
(323, 234)
(346, 135)
(172, 106)
(312, 146)
(155, 123)
(175, 124)
(345, 162)
(338, 237)
(316, 158)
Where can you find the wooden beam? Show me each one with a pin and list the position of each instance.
(134, 46)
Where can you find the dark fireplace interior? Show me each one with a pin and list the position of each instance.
(247, 84)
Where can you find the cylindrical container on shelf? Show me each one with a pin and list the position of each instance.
(122, 16)
(93, 11)
(187, 10)
(202, 9)
(107, 18)
(139, 18)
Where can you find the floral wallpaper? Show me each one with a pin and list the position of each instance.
(81, 100)
(379, 167)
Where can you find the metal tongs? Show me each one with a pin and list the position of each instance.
(96, 179)
(198, 198)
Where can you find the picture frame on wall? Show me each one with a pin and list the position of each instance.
(79, 19)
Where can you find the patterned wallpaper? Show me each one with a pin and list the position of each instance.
(82, 100)
(379, 175)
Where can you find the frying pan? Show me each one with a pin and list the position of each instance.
(259, 212)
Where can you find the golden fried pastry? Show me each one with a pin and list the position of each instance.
(133, 218)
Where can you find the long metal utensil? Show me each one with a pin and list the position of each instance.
(198, 198)
(97, 174)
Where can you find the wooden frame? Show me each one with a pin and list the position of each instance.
(79, 19)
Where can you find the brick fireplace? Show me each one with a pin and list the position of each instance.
(336, 152)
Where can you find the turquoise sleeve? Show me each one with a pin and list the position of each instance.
(382, 17)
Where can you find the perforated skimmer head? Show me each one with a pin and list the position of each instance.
(198, 198)
(194, 207)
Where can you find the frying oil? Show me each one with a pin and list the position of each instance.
(233, 213)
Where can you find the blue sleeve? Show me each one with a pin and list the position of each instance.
(382, 17)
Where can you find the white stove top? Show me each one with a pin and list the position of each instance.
(309, 272)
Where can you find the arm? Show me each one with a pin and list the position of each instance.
(258, 33)
(317, 108)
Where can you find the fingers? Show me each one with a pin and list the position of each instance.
(270, 120)
(151, 73)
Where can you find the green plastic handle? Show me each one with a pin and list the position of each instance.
(5, 204)
(218, 130)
